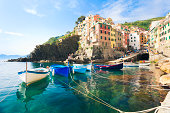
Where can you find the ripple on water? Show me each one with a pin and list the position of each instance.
(130, 89)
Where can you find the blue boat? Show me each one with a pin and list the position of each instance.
(115, 66)
(79, 68)
(60, 70)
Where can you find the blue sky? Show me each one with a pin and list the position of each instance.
(27, 23)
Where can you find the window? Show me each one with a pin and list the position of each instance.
(112, 38)
(108, 27)
(131, 40)
(134, 37)
(105, 32)
(106, 44)
(100, 25)
(134, 40)
(166, 38)
(134, 44)
(101, 37)
(120, 34)
(105, 38)
(115, 39)
(109, 38)
(165, 32)
(100, 31)
(108, 33)
(102, 43)
(105, 26)
(131, 37)
(120, 38)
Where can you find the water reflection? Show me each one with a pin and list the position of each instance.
(26, 93)
(128, 89)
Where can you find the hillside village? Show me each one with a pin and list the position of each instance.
(100, 38)
(101, 33)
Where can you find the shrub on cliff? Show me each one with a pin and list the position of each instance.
(54, 52)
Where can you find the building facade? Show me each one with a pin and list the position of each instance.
(134, 40)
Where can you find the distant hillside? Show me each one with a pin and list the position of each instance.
(3, 56)
(143, 23)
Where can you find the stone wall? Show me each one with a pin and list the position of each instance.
(165, 49)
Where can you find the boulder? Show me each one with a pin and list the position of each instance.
(165, 79)
(165, 67)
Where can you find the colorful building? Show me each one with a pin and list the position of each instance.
(134, 40)
(159, 32)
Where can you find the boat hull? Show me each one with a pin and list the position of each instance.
(144, 64)
(60, 70)
(116, 66)
(79, 68)
(89, 67)
(29, 78)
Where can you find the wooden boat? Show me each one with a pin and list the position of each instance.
(144, 64)
(79, 68)
(130, 65)
(60, 70)
(26, 93)
(115, 66)
(89, 67)
(33, 75)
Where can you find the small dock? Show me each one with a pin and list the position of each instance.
(124, 59)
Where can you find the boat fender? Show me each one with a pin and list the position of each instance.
(53, 72)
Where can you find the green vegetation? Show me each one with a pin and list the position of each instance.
(142, 23)
(55, 52)
(53, 40)
(80, 19)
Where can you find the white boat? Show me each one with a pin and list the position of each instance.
(89, 67)
(33, 75)
(144, 64)
(79, 68)
(129, 64)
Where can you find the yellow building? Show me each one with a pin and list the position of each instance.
(113, 37)
(116, 38)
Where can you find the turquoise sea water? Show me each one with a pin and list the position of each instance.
(130, 89)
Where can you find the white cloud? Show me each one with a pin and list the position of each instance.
(73, 3)
(132, 10)
(33, 12)
(58, 4)
(14, 33)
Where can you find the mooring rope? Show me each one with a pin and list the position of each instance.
(9, 92)
(92, 98)
(95, 95)
(108, 105)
